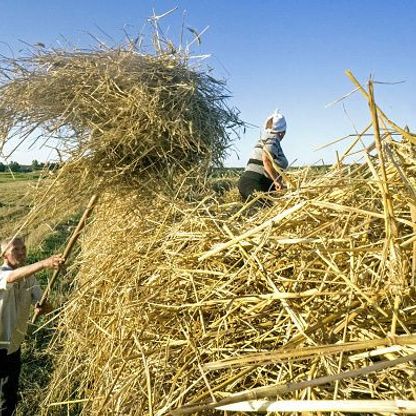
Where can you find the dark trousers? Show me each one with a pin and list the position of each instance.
(251, 182)
(10, 365)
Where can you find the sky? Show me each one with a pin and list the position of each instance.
(286, 54)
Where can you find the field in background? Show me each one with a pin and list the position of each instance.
(17, 176)
(14, 200)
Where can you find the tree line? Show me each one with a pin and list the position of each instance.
(34, 166)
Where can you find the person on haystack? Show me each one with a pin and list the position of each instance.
(18, 290)
(260, 174)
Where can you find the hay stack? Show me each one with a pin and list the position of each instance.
(181, 307)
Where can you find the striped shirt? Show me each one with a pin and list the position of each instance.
(15, 300)
(271, 143)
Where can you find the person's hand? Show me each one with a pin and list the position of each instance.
(54, 262)
(278, 184)
(45, 308)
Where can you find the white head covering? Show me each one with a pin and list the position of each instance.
(278, 122)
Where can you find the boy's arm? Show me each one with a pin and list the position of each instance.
(20, 273)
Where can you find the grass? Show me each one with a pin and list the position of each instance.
(7, 177)
(14, 201)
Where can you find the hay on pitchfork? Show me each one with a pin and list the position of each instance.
(116, 116)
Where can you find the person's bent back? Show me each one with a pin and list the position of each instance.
(260, 174)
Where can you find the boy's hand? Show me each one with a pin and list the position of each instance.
(54, 262)
(45, 308)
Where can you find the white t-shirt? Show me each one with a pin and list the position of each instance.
(15, 301)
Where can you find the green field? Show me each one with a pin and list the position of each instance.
(16, 177)
(14, 200)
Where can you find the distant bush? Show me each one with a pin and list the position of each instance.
(36, 165)
(15, 167)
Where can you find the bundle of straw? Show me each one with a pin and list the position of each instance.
(116, 115)
(184, 308)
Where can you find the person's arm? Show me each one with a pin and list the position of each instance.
(20, 273)
(271, 171)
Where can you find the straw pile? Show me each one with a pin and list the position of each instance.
(183, 308)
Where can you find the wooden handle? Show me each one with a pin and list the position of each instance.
(67, 252)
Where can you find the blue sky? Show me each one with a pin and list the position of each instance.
(289, 54)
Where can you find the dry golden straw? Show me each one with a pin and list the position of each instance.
(301, 293)
(310, 298)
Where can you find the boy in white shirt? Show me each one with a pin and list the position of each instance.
(18, 290)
